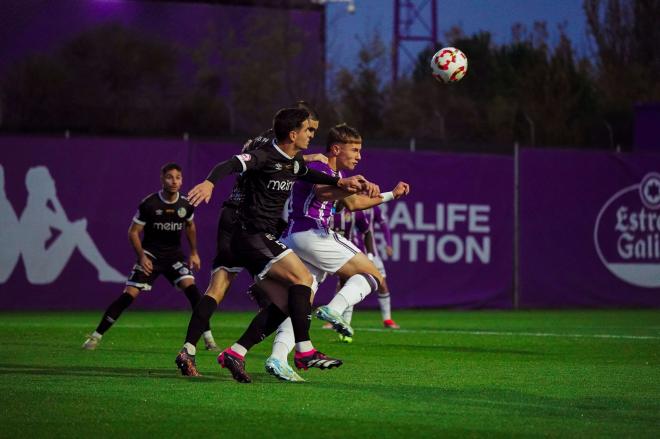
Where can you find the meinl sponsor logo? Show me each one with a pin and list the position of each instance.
(627, 233)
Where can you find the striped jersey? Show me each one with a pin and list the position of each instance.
(306, 211)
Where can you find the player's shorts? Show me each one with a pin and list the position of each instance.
(257, 251)
(224, 257)
(378, 262)
(174, 269)
(326, 250)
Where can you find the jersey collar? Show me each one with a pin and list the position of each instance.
(160, 195)
(280, 151)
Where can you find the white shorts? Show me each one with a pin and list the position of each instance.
(326, 251)
(378, 262)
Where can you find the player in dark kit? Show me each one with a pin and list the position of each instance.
(162, 216)
(269, 175)
(225, 267)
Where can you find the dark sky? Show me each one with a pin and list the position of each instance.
(497, 16)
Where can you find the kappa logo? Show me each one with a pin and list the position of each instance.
(278, 166)
(159, 212)
(627, 233)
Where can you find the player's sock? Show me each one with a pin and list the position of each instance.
(348, 314)
(113, 312)
(239, 349)
(194, 297)
(262, 325)
(385, 309)
(284, 341)
(200, 318)
(356, 288)
(304, 346)
(190, 348)
(300, 310)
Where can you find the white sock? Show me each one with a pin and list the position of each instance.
(208, 336)
(385, 309)
(239, 349)
(304, 346)
(348, 314)
(190, 348)
(97, 335)
(284, 341)
(338, 303)
(354, 290)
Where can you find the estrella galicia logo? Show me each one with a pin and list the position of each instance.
(627, 233)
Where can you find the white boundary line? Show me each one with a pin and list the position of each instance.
(359, 329)
(509, 333)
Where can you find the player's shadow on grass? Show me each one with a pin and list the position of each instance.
(95, 371)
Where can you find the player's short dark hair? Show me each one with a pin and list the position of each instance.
(168, 167)
(304, 105)
(342, 133)
(287, 120)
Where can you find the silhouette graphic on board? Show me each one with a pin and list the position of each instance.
(45, 260)
(9, 233)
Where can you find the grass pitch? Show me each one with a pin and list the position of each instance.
(577, 373)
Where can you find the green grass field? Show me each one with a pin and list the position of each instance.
(577, 373)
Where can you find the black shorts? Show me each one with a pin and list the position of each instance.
(224, 258)
(174, 268)
(257, 251)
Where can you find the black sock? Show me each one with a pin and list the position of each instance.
(194, 296)
(113, 312)
(262, 325)
(300, 310)
(200, 318)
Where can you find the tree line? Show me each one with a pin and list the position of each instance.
(113, 80)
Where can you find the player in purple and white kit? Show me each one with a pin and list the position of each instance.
(378, 217)
(324, 251)
(358, 227)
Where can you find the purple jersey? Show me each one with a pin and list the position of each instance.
(352, 226)
(380, 220)
(305, 210)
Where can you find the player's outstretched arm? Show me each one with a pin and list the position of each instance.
(361, 202)
(203, 191)
(331, 193)
(318, 157)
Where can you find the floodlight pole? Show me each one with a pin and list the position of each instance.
(423, 15)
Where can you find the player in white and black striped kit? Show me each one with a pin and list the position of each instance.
(161, 217)
(269, 176)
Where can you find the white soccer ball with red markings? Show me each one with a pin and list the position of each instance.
(449, 65)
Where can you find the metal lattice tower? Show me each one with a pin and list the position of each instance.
(415, 21)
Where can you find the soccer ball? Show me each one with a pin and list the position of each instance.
(449, 65)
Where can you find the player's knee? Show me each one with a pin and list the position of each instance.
(305, 278)
(216, 291)
(373, 281)
(132, 291)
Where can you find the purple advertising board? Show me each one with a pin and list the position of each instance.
(589, 229)
(66, 204)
